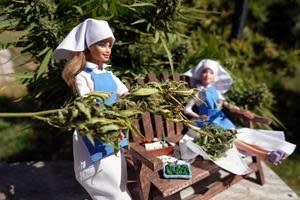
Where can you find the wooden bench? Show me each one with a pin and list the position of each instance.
(206, 174)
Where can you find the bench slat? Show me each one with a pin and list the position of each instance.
(178, 126)
(146, 118)
(170, 128)
(158, 120)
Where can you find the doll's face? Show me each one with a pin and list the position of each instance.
(100, 51)
(206, 77)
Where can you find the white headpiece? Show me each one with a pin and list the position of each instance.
(222, 80)
(83, 36)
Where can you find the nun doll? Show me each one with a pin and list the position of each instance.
(97, 168)
(211, 80)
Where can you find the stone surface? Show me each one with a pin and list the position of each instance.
(274, 188)
(55, 181)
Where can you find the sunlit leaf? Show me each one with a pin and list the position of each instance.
(44, 65)
(78, 9)
(43, 51)
(20, 75)
(168, 53)
(156, 39)
(138, 21)
(142, 5)
(8, 23)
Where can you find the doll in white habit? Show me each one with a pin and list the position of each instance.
(212, 80)
(87, 47)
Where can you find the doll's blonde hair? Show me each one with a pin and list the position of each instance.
(73, 67)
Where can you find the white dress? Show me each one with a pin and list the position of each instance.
(105, 179)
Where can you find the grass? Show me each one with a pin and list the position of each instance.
(14, 138)
(27, 140)
(289, 169)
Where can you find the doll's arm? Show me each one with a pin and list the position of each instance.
(274, 157)
(188, 108)
(81, 85)
(221, 100)
(219, 103)
(122, 89)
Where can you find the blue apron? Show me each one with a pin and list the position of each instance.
(103, 82)
(215, 115)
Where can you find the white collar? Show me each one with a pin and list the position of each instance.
(201, 87)
(91, 65)
(94, 66)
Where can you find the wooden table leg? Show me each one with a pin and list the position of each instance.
(259, 173)
(143, 181)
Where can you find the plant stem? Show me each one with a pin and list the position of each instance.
(198, 130)
(30, 114)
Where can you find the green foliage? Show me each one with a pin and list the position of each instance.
(13, 140)
(283, 23)
(250, 98)
(23, 140)
(289, 171)
(143, 40)
(217, 145)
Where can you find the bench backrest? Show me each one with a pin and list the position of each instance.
(151, 125)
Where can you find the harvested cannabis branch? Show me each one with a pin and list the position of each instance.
(218, 143)
(91, 117)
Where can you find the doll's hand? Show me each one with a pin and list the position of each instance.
(204, 117)
(124, 94)
(219, 103)
(121, 136)
(225, 103)
(248, 114)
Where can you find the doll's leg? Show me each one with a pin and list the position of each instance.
(250, 148)
(273, 157)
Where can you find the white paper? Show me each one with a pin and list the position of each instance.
(230, 161)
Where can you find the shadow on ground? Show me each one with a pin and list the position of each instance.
(40, 181)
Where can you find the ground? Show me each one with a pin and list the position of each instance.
(55, 180)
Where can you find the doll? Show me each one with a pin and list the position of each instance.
(212, 80)
(87, 47)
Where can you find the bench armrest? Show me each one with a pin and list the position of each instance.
(242, 114)
(141, 154)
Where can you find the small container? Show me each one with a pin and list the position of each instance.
(162, 151)
(153, 146)
(166, 148)
(183, 167)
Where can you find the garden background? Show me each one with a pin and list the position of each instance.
(152, 35)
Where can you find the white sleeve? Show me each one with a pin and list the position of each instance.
(221, 96)
(121, 87)
(81, 85)
(189, 106)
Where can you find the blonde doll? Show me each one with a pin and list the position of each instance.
(87, 47)
(212, 80)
